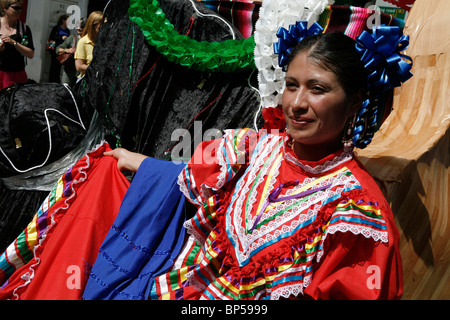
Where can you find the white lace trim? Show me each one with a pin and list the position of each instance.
(204, 191)
(28, 277)
(367, 232)
(182, 185)
(289, 220)
(228, 138)
(327, 166)
(292, 218)
(290, 290)
(264, 149)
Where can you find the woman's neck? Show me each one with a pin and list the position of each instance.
(315, 152)
(8, 22)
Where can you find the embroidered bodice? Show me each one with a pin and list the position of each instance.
(264, 216)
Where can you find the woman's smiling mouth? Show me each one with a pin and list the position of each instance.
(300, 121)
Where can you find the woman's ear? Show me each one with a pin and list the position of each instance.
(356, 100)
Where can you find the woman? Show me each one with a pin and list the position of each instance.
(58, 35)
(85, 47)
(278, 215)
(69, 72)
(300, 217)
(16, 42)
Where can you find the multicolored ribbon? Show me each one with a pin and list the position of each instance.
(273, 197)
(288, 39)
(380, 53)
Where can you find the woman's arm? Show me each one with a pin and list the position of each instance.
(24, 50)
(81, 65)
(66, 46)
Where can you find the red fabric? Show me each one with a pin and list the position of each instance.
(71, 246)
(351, 267)
(273, 118)
(350, 263)
(403, 4)
(9, 78)
(348, 267)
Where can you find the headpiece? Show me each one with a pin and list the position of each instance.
(288, 40)
(380, 52)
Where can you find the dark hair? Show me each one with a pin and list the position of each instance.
(62, 18)
(336, 52)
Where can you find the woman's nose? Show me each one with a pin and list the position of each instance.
(300, 100)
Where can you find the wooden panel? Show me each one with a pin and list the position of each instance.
(410, 155)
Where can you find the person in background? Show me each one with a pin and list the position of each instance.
(69, 72)
(16, 42)
(85, 47)
(58, 34)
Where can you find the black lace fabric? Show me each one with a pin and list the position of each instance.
(141, 99)
(164, 96)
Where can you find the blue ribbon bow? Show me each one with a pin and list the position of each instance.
(287, 40)
(380, 53)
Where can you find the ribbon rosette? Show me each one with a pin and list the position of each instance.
(380, 53)
(287, 40)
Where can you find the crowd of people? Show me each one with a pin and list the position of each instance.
(17, 46)
(79, 45)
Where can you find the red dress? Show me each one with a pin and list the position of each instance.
(270, 226)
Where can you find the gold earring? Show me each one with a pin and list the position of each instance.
(347, 139)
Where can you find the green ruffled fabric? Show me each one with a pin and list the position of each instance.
(225, 56)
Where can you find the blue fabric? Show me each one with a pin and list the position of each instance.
(145, 238)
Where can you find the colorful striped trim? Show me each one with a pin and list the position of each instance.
(20, 252)
(23, 248)
(359, 217)
(242, 14)
(230, 259)
(352, 21)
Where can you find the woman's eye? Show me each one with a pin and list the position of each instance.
(291, 86)
(318, 89)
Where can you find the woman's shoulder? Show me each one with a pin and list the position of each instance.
(371, 193)
(365, 178)
(85, 39)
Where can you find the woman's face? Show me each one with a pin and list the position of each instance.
(14, 10)
(97, 27)
(315, 105)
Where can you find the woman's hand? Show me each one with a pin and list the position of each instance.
(24, 50)
(126, 160)
(7, 39)
(69, 50)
